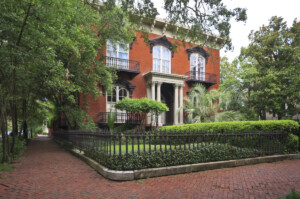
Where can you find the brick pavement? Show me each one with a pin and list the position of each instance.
(48, 171)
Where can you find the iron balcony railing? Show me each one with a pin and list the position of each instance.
(123, 64)
(198, 76)
(120, 117)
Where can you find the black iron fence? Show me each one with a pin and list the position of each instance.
(201, 77)
(119, 144)
(122, 64)
(120, 117)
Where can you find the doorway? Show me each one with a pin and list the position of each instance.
(167, 92)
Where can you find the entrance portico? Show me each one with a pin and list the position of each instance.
(155, 81)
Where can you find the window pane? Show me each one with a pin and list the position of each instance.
(156, 52)
(201, 62)
(156, 65)
(193, 60)
(122, 93)
(166, 53)
(123, 47)
(111, 97)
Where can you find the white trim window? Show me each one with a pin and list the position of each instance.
(117, 55)
(161, 59)
(117, 93)
(197, 66)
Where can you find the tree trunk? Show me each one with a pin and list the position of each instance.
(14, 120)
(3, 133)
(24, 123)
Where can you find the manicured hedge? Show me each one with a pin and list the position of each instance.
(216, 152)
(288, 126)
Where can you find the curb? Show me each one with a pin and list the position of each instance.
(172, 170)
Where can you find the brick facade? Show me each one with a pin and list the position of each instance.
(140, 51)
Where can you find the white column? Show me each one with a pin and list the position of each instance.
(153, 98)
(181, 104)
(153, 90)
(159, 99)
(149, 95)
(175, 104)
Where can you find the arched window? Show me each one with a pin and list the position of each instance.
(197, 65)
(161, 59)
(122, 93)
(117, 93)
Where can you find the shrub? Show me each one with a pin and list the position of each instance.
(5, 167)
(288, 126)
(216, 152)
(292, 195)
(292, 143)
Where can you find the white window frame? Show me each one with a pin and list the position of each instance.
(161, 59)
(111, 103)
(121, 62)
(199, 71)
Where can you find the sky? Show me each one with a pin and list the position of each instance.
(259, 12)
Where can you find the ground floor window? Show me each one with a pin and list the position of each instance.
(117, 93)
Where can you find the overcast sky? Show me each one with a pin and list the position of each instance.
(259, 12)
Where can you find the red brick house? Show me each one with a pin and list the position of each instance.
(159, 71)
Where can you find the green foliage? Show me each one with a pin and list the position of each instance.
(292, 143)
(5, 167)
(287, 126)
(270, 69)
(20, 146)
(111, 120)
(292, 195)
(216, 152)
(67, 144)
(208, 106)
(232, 85)
(141, 106)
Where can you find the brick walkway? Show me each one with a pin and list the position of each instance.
(47, 171)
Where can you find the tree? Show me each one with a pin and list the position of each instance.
(208, 106)
(142, 106)
(200, 17)
(233, 81)
(48, 49)
(272, 69)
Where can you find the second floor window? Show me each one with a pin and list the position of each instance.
(161, 59)
(117, 55)
(197, 65)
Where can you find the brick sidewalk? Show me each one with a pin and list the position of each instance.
(48, 171)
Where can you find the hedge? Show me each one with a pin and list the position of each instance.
(211, 152)
(288, 126)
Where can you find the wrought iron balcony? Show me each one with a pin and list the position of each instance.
(123, 65)
(120, 118)
(200, 77)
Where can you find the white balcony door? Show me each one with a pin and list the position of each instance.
(197, 64)
(118, 93)
(117, 55)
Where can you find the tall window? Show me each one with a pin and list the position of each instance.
(161, 59)
(117, 55)
(118, 93)
(197, 64)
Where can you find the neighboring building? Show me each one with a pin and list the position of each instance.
(158, 71)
